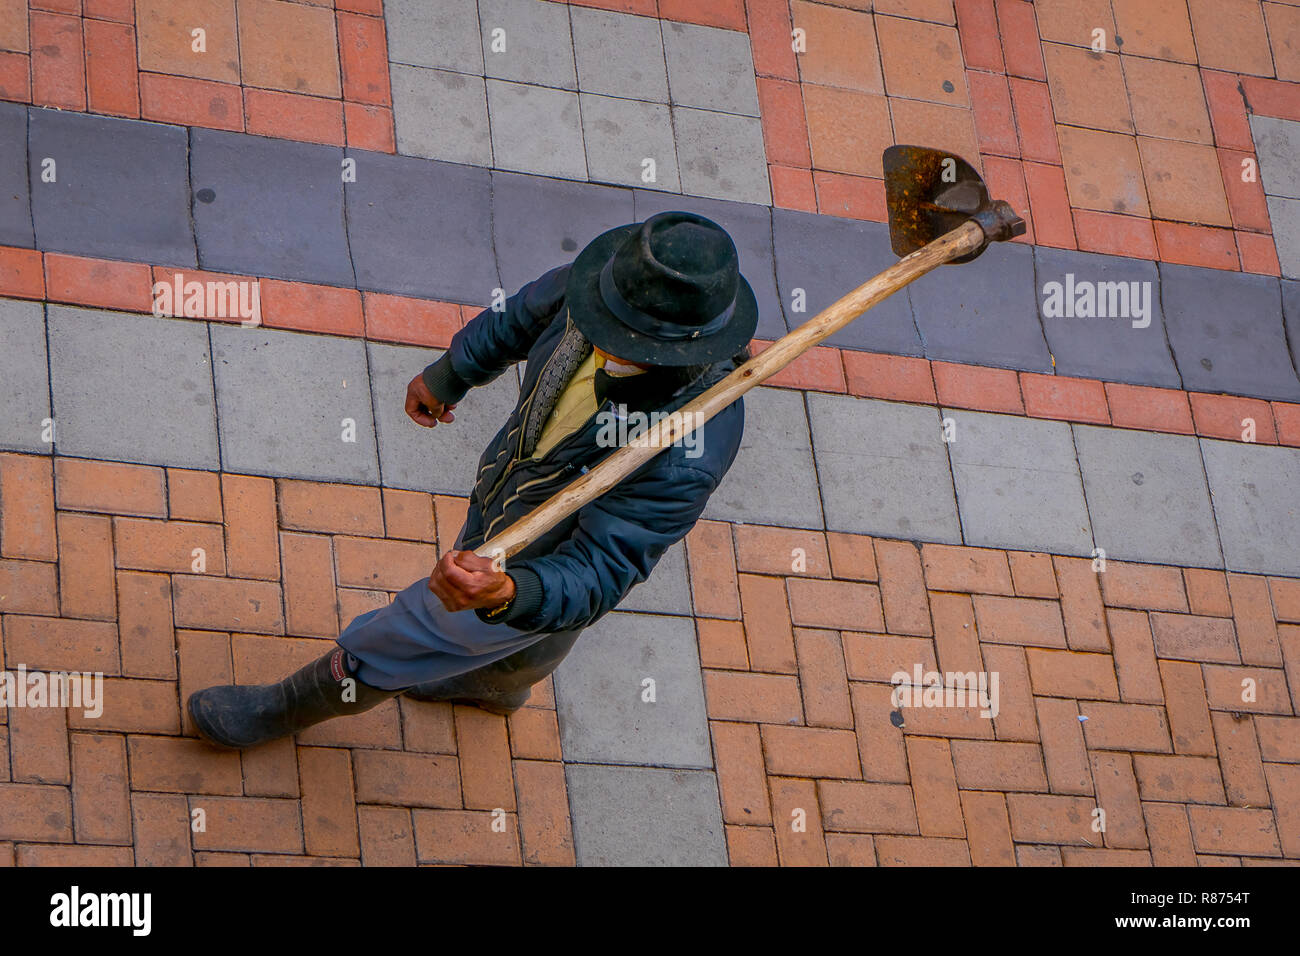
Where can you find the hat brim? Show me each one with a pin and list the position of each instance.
(604, 330)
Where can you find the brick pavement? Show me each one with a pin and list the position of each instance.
(406, 782)
(306, 71)
(1121, 690)
(1165, 696)
(1066, 107)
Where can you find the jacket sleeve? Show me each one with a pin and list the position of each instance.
(617, 542)
(493, 341)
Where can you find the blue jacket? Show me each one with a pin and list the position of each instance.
(583, 567)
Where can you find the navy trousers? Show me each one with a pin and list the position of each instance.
(415, 640)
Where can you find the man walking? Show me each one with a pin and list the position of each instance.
(646, 318)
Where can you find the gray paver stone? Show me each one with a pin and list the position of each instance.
(649, 709)
(883, 468)
(1147, 496)
(132, 388)
(294, 405)
(641, 816)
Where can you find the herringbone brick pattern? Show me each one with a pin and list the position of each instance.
(167, 581)
(1156, 694)
(1166, 697)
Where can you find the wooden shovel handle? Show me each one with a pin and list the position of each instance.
(966, 238)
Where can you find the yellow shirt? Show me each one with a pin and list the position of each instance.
(576, 404)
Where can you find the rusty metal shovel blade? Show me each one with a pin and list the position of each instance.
(929, 192)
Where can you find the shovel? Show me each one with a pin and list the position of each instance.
(939, 212)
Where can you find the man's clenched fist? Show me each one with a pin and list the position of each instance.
(424, 407)
(462, 580)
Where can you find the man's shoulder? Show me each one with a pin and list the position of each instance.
(545, 294)
(708, 450)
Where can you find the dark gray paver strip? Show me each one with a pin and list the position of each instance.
(983, 312)
(883, 469)
(643, 816)
(636, 72)
(1226, 332)
(269, 207)
(15, 196)
(274, 208)
(421, 228)
(443, 459)
(1254, 489)
(1147, 496)
(441, 114)
(133, 388)
(827, 257)
(750, 227)
(289, 402)
(534, 45)
(120, 188)
(24, 377)
(1107, 344)
(663, 723)
(575, 213)
(772, 480)
(1018, 483)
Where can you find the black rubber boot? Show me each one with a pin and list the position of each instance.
(504, 686)
(452, 691)
(244, 716)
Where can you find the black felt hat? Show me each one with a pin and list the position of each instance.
(667, 291)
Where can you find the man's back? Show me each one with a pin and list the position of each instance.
(651, 510)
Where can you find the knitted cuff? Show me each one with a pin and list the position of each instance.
(526, 602)
(445, 383)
